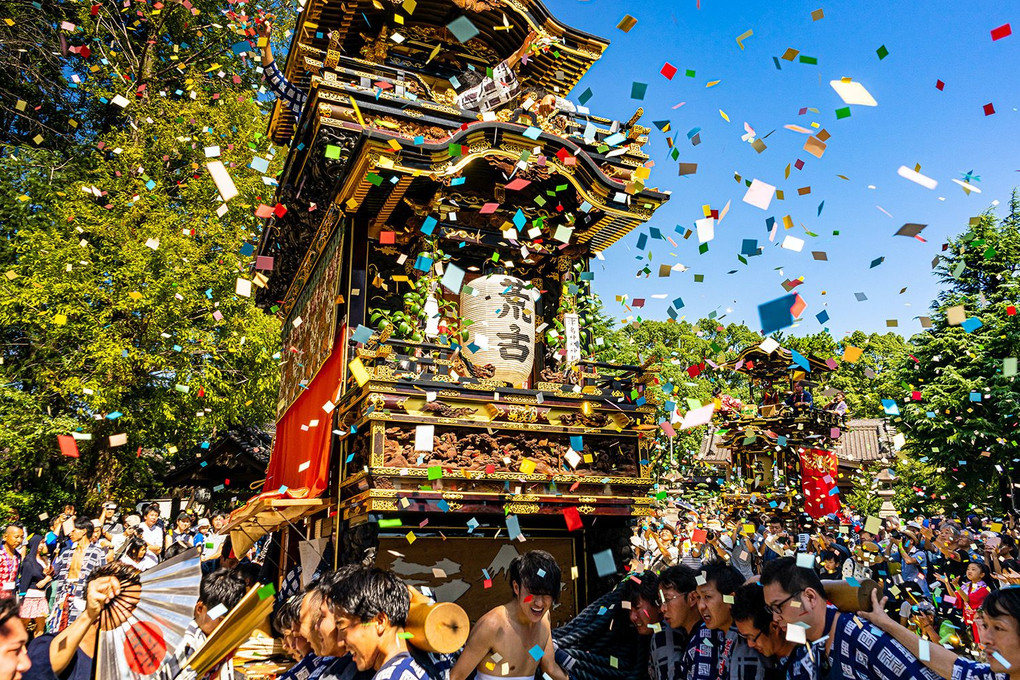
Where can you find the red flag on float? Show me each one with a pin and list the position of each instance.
(819, 470)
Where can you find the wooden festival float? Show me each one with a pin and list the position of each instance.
(776, 451)
(431, 269)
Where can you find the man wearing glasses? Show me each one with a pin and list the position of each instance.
(839, 645)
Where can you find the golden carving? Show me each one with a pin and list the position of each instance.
(383, 504)
(527, 497)
(521, 508)
(453, 496)
(587, 499)
(642, 512)
(585, 509)
(519, 398)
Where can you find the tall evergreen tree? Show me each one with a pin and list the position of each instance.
(961, 412)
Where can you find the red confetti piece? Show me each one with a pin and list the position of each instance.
(1001, 32)
(668, 70)
(939, 85)
(989, 109)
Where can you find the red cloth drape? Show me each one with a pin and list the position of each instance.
(294, 446)
(819, 470)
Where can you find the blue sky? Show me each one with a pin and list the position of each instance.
(946, 132)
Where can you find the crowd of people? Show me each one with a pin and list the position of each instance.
(716, 595)
(46, 571)
(724, 596)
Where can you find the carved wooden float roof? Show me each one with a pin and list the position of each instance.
(397, 189)
(327, 28)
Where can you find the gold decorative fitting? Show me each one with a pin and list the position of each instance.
(587, 499)
(519, 398)
(527, 497)
(521, 508)
(585, 509)
(383, 504)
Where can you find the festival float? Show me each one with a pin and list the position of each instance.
(776, 450)
(431, 268)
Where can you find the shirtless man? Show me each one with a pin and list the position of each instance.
(502, 645)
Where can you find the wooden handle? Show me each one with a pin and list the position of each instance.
(850, 598)
(439, 628)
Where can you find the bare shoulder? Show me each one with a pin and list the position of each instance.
(493, 621)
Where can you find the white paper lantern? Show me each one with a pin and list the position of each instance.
(503, 311)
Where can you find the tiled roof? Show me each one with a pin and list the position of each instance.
(863, 440)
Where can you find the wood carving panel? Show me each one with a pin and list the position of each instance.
(310, 327)
(475, 450)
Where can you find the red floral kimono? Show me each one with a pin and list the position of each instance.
(970, 597)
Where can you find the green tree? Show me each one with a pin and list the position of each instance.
(125, 306)
(960, 413)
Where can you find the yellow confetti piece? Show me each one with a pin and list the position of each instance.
(135, 295)
(712, 83)
(411, 538)
(60, 319)
(724, 116)
(744, 36)
(359, 372)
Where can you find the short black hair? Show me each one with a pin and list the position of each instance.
(749, 605)
(644, 585)
(537, 571)
(725, 578)
(83, 523)
(8, 610)
(1003, 602)
(366, 592)
(330, 581)
(288, 613)
(679, 577)
(133, 545)
(791, 578)
(223, 586)
(125, 573)
(150, 507)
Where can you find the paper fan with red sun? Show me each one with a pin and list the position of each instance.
(147, 620)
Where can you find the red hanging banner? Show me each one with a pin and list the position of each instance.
(819, 470)
(300, 458)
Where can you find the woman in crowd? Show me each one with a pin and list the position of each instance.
(33, 584)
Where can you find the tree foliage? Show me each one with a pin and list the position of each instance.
(121, 311)
(961, 409)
